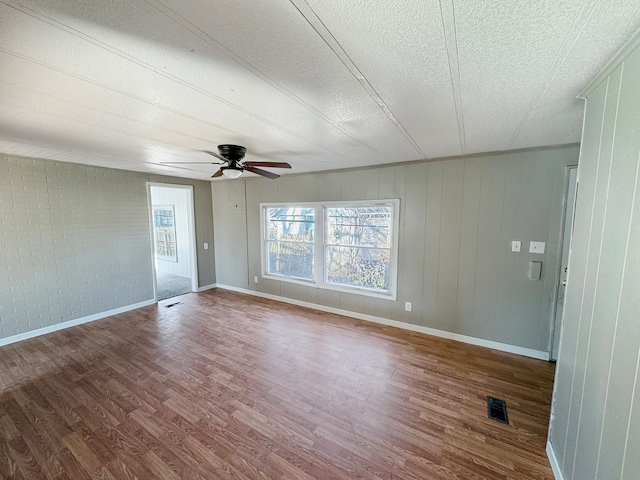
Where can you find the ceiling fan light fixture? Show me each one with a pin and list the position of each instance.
(231, 172)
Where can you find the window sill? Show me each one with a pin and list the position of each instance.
(383, 295)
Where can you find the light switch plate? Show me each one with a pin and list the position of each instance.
(536, 247)
(516, 245)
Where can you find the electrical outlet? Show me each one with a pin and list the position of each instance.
(407, 306)
(206, 246)
(255, 279)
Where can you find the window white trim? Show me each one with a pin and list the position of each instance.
(319, 247)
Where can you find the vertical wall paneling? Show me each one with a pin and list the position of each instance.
(533, 224)
(630, 461)
(553, 256)
(329, 185)
(346, 190)
(457, 219)
(468, 245)
(591, 274)
(626, 342)
(608, 264)
(432, 220)
(358, 188)
(489, 246)
(450, 235)
(594, 429)
(508, 232)
(397, 308)
(372, 188)
(387, 182)
(230, 216)
(414, 235)
(566, 366)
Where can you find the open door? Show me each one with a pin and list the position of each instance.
(173, 237)
(564, 261)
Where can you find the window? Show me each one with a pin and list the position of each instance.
(347, 246)
(164, 232)
(289, 242)
(358, 246)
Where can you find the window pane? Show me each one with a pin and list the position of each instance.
(367, 226)
(358, 267)
(296, 224)
(290, 259)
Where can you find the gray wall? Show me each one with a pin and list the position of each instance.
(458, 217)
(75, 241)
(595, 425)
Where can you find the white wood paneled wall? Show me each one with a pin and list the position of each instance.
(595, 423)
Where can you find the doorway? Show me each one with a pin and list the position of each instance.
(173, 236)
(567, 231)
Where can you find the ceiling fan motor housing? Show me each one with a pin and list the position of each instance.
(232, 152)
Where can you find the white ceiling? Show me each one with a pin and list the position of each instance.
(321, 84)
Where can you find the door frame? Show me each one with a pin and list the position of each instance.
(553, 333)
(193, 253)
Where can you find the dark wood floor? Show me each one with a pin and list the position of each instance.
(232, 386)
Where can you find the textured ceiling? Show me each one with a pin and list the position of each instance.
(321, 84)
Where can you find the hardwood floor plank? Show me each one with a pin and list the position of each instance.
(159, 468)
(8, 432)
(230, 386)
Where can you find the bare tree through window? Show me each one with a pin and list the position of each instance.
(290, 239)
(358, 246)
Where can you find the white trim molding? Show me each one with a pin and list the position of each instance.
(555, 466)
(320, 245)
(73, 323)
(207, 287)
(503, 347)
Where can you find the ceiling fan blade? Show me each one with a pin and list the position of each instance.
(217, 174)
(218, 156)
(259, 171)
(191, 163)
(268, 164)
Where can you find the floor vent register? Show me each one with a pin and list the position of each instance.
(497, 410)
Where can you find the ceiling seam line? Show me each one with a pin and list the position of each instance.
(141, 64)
(451, 42)
(257, 72)
(88, 155)
(117, 132)
(104, 112)
(463, 132)
(92, 82)
(346, 60)
(552, 71)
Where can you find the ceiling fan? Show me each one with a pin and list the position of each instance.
(233, 165)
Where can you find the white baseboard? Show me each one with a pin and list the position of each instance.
(208, 287)
(73, 323)
(555, 466)
(504, 347)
